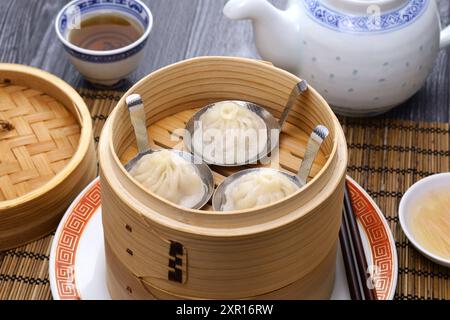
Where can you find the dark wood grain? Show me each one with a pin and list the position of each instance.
(182, 29)
(432, 102)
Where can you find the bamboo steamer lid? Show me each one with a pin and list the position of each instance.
(47, 152)
(204, 254)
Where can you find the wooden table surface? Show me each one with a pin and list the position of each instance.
(182, 29)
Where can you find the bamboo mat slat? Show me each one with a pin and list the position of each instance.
(386, 158)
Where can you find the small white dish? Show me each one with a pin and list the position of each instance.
(105, 68)
(414, 194)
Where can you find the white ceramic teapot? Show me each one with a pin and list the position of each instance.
(364, 56)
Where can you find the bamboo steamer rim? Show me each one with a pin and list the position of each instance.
(185, 227)
(82, 115)
(121, 103)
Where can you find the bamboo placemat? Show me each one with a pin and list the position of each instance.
(386, 157)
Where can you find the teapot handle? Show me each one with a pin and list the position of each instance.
(445, 34)
(445, 37)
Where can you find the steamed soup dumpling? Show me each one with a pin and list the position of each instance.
(258, 189)
(230, 133)
(171, 177)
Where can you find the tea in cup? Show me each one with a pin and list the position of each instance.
(105, 39)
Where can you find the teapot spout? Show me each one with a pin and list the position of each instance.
(256, 10)
(277, 32)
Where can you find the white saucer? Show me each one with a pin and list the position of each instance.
(77, 259)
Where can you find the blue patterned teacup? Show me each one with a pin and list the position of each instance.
(106, 68)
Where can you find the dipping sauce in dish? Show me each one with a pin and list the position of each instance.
(104, 32)
(430, 221)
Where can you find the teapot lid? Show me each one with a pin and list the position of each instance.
(364, 7)
(362, 16)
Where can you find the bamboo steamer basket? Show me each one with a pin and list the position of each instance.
(126, 286)
(48, 157)
(284, 249)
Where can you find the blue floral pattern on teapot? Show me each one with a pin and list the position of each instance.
(367, 23)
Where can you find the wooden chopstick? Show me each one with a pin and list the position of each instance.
(355, 262)
(350, 268)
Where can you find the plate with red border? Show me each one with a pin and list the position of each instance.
(78, 267)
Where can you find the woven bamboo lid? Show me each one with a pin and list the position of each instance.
(46, 152)
(40, 139)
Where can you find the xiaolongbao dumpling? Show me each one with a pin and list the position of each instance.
(258, 189)
(170, 177)
(230, 133)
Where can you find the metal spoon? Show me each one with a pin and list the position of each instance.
(137, 115)
(273, 125)
(318, 136)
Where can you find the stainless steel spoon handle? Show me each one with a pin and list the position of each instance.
(299, 88)
(318, 136)
(138, 120)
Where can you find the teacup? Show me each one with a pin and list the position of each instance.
(105, 68)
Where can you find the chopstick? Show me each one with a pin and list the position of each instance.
(350, 265)
(356, 266)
